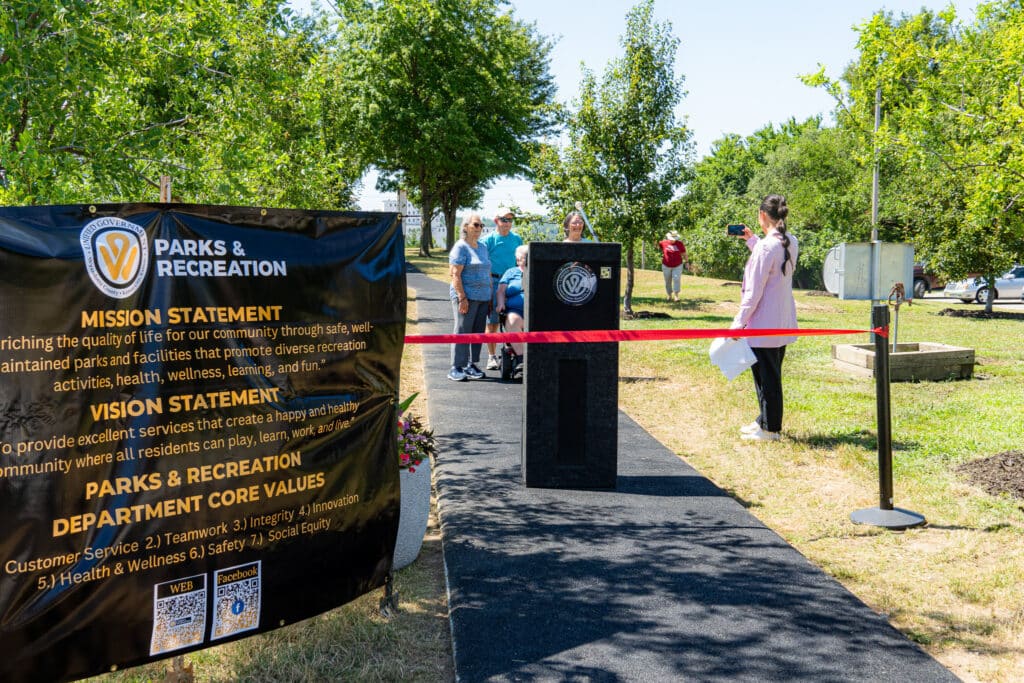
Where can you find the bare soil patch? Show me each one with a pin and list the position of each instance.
(643, 315)
(974, 313)
(999, 474)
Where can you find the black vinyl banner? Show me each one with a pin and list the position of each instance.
(197, 426)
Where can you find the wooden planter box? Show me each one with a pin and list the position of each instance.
(911, 362)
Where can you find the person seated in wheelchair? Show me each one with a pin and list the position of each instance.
(511, 305)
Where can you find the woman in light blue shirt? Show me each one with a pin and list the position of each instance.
(470, 292)
(767, 303)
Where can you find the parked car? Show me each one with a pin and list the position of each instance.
(924, 281)
(1009, 285)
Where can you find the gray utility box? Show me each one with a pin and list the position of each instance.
(571, 390)
(868, 270)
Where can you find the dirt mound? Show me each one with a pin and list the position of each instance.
(1002, 473)
(643, 315)
(973, 313)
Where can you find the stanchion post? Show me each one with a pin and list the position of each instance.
(880, 320)
(885, 515)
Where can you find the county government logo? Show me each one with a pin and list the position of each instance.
(575, 283)
(116, 255)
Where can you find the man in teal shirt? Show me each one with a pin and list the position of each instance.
(501, 246)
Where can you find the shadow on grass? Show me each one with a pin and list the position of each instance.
(639, 380)
(863, 438)
(724, 320)
(991, 529)
(969, 633)
(731, 492)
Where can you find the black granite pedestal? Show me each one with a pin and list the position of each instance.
(570, 390)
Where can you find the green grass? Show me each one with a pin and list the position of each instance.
(955, 586)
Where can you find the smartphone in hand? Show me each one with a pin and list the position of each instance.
(735, 229)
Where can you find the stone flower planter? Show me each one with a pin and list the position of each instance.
(415, 509)
(912, 362)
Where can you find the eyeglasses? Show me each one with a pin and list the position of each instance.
(505, 220)
(477, 225)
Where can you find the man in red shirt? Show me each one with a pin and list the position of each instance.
(673, 255)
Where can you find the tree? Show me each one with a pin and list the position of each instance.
(964, 126)
(454, 191)
(101, 98)
(826, 189)
(626, 153)
(814, 167)
(446, 95)
(951, 131)
(714, 197)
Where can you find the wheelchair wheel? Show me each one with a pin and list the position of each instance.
(507, 365)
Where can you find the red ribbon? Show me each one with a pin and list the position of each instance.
(562, 337)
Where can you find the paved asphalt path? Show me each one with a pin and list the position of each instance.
(666, 578)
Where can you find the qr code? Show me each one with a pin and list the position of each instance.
(179, 614)
(237, 594)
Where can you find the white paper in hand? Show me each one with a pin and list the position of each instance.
(732, 356)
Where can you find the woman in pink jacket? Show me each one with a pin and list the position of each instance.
(767, 303)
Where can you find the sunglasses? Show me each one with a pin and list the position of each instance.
(477, 225)
(505, 220)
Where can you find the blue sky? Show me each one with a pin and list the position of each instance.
(740, 58)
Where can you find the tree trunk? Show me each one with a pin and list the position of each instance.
(450, 213)
(627, 300)
(425, 238)
(991, 280)
(426, 211)
(450, 230)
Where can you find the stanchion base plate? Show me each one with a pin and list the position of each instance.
(895, 519)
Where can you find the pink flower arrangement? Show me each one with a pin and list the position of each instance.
(415, 442)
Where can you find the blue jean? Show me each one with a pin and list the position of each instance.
(472, 322)
(492, 317)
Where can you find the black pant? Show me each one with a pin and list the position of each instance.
(767, 373)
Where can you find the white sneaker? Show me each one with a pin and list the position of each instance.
(492, 363)
(761, 435)
(750, 428)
